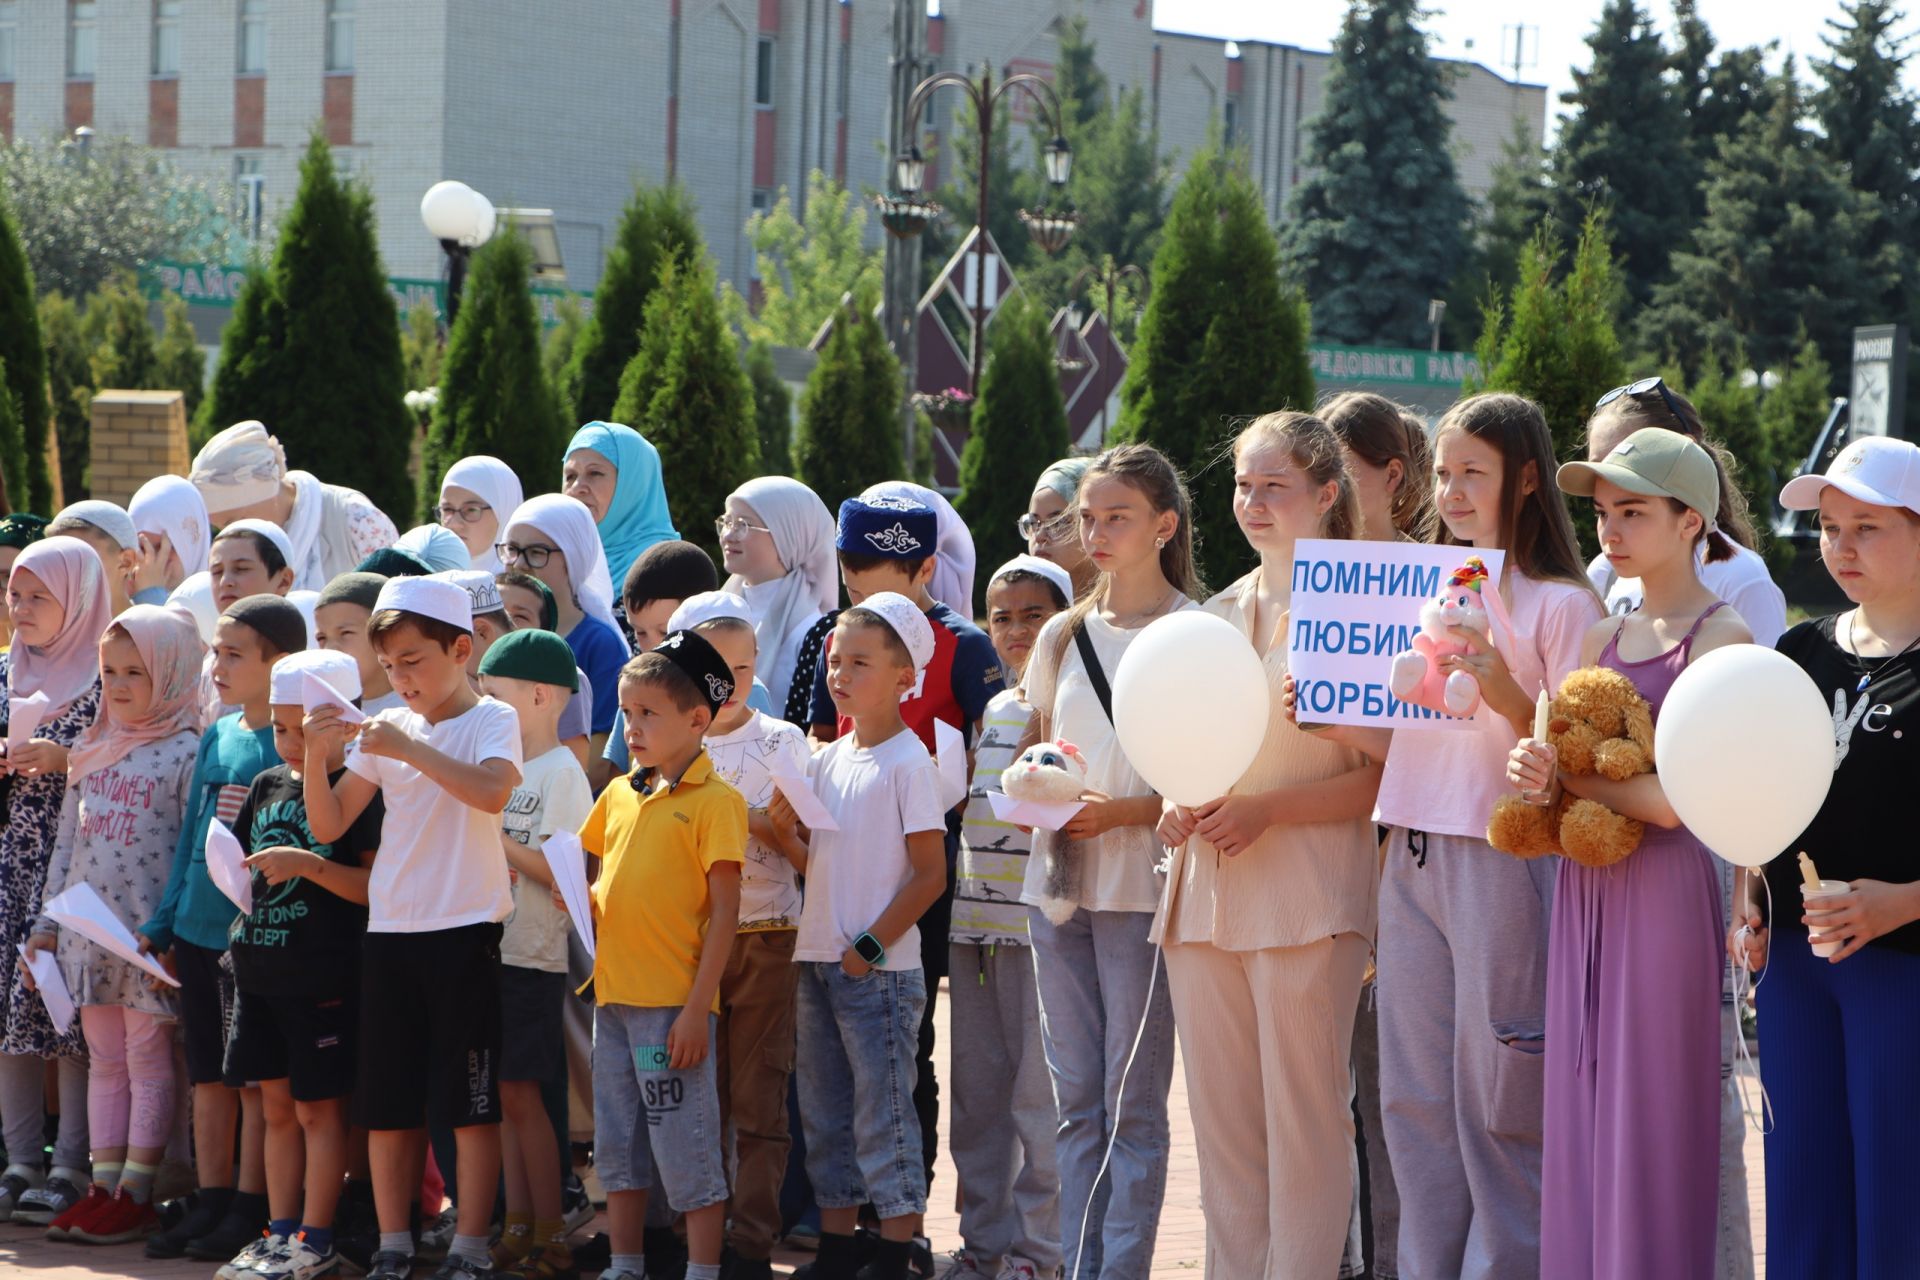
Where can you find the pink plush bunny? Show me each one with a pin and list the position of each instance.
(1417, 675)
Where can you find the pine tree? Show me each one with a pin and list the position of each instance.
(1784, 245)
(772, 411)
(1718, 90)
(849, 419)
(556, 349)
(181, 365)
(1617, 148)
(324, 372)
(1378, 228)
(657, 223)
(1792, 411)
(70, 387)
(1019, 429)
(1222, 340)
(23, 439)
(1728, 399)
(1517, 201)
(494, 396)
(124, 355)
(688, 394)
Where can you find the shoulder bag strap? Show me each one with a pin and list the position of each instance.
(1096, 674)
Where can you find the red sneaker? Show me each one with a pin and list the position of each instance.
(119, 1221)
(62, 1226)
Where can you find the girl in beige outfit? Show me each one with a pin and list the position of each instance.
(1268, 909)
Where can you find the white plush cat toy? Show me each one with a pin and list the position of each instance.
(1052, 773)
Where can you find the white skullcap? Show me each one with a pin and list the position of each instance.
(339, 670)
(105, 516)
(1047, 569)
(432, 597)
(907, 621)
(709, 606)
(483, 590)
(267, 529)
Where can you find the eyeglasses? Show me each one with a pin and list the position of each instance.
(1051, 529)
(534, 557)
(1640, 388)
(727, 525)
(466, 513)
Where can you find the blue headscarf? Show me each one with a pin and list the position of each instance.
(638, 516)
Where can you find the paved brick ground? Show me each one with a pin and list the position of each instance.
(1181, 1250)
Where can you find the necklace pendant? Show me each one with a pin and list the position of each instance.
(1862, 686)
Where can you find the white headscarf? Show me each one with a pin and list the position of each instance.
(953, 554)
(568, 522)
(802, 530)
(239, 467)
(438, 545)
(497, 486)
(171, 507)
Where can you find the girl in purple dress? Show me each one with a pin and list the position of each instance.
(1630, 1180)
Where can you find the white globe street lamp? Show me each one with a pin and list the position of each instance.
(462, 220)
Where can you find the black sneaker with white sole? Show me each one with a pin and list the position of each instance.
(390, 1264)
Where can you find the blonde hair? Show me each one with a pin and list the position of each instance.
(1312, 446)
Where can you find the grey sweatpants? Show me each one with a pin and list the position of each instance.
(1462, 1010)
(1004, 1120)
(23, 1110)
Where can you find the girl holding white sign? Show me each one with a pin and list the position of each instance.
(1268, 911)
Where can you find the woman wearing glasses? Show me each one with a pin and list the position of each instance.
(476, 495)
(1051, 527)
(776, 540)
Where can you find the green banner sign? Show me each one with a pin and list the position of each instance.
(208, 284)
(1392, 366)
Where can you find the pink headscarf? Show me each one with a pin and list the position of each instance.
(170, 648)
(65, 667)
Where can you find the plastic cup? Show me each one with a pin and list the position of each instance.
(1825, 889)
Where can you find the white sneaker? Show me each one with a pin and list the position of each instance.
(298, 1261)
(437, 1236)
(962, 1264)
(248, 1261)
(16, 1181)
(1015, 1267)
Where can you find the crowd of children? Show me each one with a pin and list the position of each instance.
(451, 851)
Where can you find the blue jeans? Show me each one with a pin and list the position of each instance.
(645, 1114)
(856, 1039)
(1098, 982)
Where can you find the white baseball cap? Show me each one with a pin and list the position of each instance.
(434, 598)
(1879, 470)
(907, 621)
(338, 669)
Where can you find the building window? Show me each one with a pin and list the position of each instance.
(83, 50)
(340, 35)
(251, 47)
(763, 73)
(9, 34)
(1231, 118)
(166, 37)
(249, 195)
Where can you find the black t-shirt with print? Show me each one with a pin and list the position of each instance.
(301, 938)
(1864, 831)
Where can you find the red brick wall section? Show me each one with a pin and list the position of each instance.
(79, 103)
(936, 33)
(337, 108)
(163, 113)
(6, 110)
(763, 147)
(769, 17)
(249, 111)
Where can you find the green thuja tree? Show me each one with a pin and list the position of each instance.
(241, 366)
(687, 392)
(494, 396)
(1019, 429)
(70, 387)
(772, 411)
(850, 410)
(23, 439)
(182, 365)
(1223, 340)
(10, 432)
(657, 224)
(324, 371)
(1792, 412)
(124, 353)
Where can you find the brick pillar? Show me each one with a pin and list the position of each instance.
(137, 435)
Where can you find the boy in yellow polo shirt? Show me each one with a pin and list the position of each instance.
(671, 838)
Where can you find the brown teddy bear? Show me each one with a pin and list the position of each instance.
(1597, 723)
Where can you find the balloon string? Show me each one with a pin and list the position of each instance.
(1746, 985)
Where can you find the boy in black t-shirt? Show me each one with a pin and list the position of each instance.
(296, 970)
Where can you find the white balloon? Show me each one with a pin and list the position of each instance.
(1190, 705)
(1744, 749)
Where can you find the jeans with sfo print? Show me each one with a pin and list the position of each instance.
(646, 1113)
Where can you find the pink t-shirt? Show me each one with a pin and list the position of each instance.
(1446, 781)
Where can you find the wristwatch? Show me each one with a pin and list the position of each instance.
(868, 948)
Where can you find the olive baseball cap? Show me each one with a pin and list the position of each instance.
(1656, 463)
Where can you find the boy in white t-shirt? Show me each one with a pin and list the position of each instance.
(862, 988)
(533, 672)
(445, 767)
(753, 1045)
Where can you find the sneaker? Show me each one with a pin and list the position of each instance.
(920, 1258)
(545, 1262)
(457, 1267)
(390, 1264)
(576, 1206)
(229, 1237)
(64, 1189)
(1015, 1267)
(621, 1274)
(666, 1254)
(82, 1209)
(120, 1221)
(963, 1264)
(437, 1236)
(14, 1183)
(735, 1267)
(356, 1227)
(200, 1219)
(251, 1258)
(298, 1260)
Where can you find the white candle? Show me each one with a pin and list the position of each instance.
(1540, 718)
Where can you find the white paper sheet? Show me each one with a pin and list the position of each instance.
(1033, 813)
(568, 863)
(51, 986)
(799, 793)
(950, 754)
(315, 692)
(83, 910)
(227, 866)
(24, 716)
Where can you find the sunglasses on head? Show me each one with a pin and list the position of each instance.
(1637, 389)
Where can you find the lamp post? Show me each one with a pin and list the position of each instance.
(462, 220)
(1049, 230)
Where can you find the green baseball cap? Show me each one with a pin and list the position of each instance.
(1656, 463)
